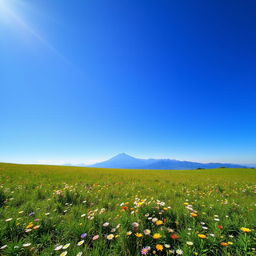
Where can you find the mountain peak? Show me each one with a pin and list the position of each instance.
(122, 156)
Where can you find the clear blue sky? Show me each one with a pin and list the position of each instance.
(81, 81)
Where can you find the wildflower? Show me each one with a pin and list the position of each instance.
(230, 243)
(36, 227)
(193, 214)
(83, 235)
(110, 237)
(47, 214)
(138, 235)
(135, 224)
(129, 233)
(145, 250)
(159, 222)
(26, 245)
(174, 236)
(3, 247)
(157, 236)
(220, 227)
(154, 220)
(224, 244)
(80, 243)
(64, 253)
(147, 231)
(106, 224)
(31, 214)
(179, 252)
(246, 230)
(201, 236)
(7, 220)
(66, 246)
(167, 246)
(30, 225)
(58, 248)
(95, 237)
(159, 247)
(80, 254)
(189, 243)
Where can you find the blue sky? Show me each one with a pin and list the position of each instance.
(81, 81)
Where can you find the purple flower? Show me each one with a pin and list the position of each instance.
(145, 250)
(31, 214)
(83, 235)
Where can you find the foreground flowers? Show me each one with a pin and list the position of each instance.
(157, 236)
(246, 230)
(145, 250)
(159, 247)
(101, 219)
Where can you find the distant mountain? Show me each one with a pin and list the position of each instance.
(124, 161)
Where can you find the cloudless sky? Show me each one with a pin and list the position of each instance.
(81, 81)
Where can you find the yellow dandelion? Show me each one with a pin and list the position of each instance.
(157, 236)
(159, 247)
(246, 230)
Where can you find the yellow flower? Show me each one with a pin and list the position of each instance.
(159, 247)
(66, 246)
(30, 225)
(129, 233)
(157, 236)
(185, 203)
(201, 236)
(246, 230)
(80, 243)
(159, 222)
(193, 214)
(230, 243)
(138, 235)
(110, 237)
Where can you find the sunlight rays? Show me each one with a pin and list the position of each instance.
(10, 15)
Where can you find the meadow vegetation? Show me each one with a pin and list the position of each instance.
(56, 210)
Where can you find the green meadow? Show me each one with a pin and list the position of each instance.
(57, 210)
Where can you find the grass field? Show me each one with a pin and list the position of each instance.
(54, 210)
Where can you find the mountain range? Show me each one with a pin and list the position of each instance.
(124, 161)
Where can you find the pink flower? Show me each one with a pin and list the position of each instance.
(95, 237)
(145, 250)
